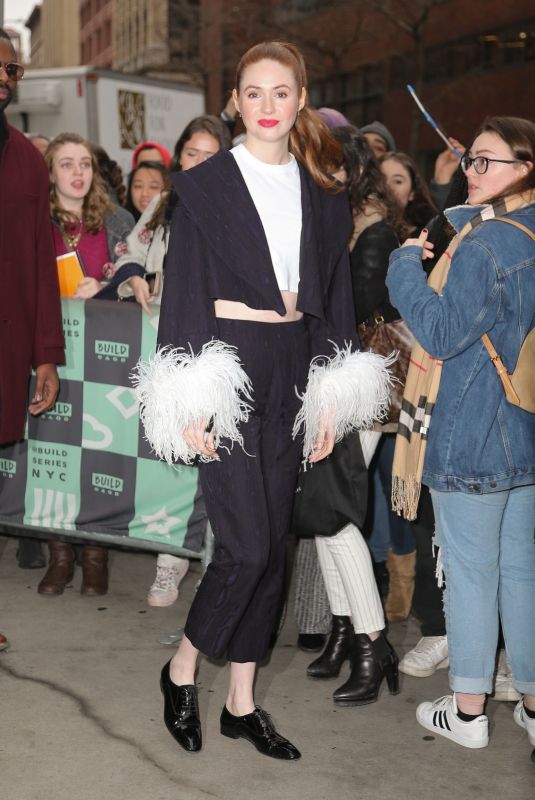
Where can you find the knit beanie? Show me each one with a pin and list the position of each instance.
(382, 131)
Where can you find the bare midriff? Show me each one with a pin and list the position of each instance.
(230, 309)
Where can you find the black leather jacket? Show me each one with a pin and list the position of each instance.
(369, 265)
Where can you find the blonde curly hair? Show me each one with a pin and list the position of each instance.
(97, 203)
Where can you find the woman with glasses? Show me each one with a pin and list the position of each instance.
(461, 435)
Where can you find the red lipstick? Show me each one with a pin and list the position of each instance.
(268, 123)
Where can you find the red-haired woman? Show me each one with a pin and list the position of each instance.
(257, 284)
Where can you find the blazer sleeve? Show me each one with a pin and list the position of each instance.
(333, 227)
(339, 328)
(48, 342)
(202, 382)
(187, 315)
(351, 389)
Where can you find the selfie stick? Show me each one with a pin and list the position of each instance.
(431, 121)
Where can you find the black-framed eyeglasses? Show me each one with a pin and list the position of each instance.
(481, 163)
(13, 70)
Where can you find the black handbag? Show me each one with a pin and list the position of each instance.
(331, 493)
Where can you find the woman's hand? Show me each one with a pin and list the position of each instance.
(87, 288)
(447, 162)
(323, 446)
(200, 441)
(421, 241)
(141, 290)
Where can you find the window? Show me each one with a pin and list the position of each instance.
(358, 95)
(486, 52)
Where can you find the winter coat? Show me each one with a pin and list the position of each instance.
(30, 310)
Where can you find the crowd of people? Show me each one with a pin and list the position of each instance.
(273, 242)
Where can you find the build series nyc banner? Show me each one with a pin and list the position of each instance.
(84, 466)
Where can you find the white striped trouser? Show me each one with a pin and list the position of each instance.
(347, 567)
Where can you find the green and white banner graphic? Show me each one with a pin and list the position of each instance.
(84, 467)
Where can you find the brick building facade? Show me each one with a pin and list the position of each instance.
(474, 58)
(96, 33)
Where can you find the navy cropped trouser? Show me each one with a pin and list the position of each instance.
(249, 496)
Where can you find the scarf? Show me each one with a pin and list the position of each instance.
(423, 382)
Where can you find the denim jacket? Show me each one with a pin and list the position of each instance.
(478, 442)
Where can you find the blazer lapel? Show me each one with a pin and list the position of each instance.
(216, 196)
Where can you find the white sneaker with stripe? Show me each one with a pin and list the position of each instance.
(440, 717)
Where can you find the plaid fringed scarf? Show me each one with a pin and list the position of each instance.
(423, 382)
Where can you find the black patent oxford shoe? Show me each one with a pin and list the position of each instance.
(257, 727)
(181, 712)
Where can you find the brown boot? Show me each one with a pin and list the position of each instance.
(60, 568)
(401, 587)
(94, 569)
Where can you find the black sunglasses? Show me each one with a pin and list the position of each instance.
(13, 70)
(481, 163)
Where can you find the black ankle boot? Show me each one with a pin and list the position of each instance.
(336, 650)
(370, 663)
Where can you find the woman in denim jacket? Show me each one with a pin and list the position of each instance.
(480, 454)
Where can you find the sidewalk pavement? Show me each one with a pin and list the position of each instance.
(81, 711)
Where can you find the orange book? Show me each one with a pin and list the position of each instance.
(70, 273)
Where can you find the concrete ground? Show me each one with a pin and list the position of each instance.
(80, 712)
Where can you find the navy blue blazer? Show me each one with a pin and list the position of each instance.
(218, 250)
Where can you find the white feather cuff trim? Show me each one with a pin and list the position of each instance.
(177, 389)
(352, 389)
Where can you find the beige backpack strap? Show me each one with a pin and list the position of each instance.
(501, 370)
(516, 224)
(494, 357)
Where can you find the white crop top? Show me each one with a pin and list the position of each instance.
(276, 193)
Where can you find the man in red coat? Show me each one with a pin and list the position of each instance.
(30, 311)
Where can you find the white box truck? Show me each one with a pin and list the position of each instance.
(114, 109)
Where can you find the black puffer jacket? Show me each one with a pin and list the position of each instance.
(369, 265)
